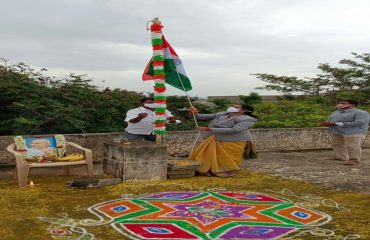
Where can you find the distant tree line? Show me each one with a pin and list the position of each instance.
(350, 79)
(33, 103)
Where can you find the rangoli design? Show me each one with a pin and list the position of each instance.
(206, 215)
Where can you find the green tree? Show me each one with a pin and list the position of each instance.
(351, 79)
(291, 114)
(251, 99)
(221, 104)
(178, 105)
(35, 104)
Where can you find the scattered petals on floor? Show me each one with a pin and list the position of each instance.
(64, 227)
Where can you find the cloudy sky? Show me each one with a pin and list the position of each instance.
(221, 42)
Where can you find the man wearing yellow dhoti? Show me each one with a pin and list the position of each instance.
(226, 140)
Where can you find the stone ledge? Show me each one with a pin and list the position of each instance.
(180, 142)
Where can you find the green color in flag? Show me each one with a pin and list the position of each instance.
(173, 68)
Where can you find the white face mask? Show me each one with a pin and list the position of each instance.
(150, 105)
(343, 106)
(233, 110)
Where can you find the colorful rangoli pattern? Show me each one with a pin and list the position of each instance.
(206, 215)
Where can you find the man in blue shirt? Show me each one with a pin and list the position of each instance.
(348, 126)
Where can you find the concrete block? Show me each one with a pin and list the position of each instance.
(135, 161)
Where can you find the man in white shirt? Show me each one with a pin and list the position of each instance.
(140, 121)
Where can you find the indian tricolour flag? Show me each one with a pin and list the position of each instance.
(173, 68)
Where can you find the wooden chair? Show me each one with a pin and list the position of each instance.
(23, 166)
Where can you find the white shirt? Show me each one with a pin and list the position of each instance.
(145, 125)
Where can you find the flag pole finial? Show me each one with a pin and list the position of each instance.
(153, 21)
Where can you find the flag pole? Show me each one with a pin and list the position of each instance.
(188, 98)
(159, 79)
(195, 119)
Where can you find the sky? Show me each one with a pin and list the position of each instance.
(221, 42)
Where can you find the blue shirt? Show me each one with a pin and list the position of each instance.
(349, 122)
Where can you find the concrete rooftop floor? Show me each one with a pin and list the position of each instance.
(315, 167)
(310, 166)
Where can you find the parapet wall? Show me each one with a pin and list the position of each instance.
(180, 142)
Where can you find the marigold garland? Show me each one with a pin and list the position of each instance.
(159, 77)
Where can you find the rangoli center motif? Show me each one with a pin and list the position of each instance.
(207, 215)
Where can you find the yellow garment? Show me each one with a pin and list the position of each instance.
(218, 157)
(250, 151)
